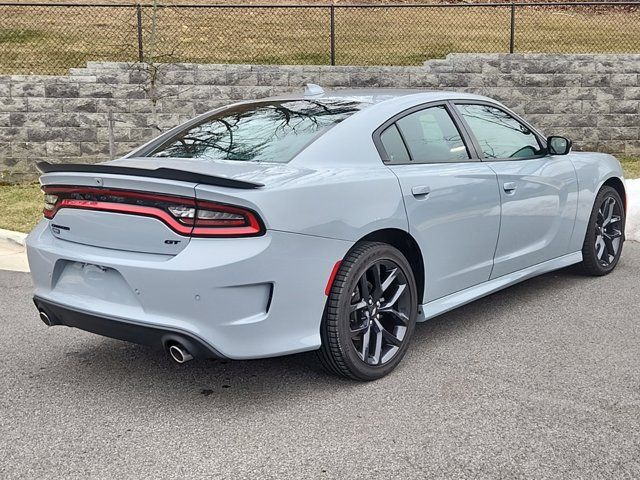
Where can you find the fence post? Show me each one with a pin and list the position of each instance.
(512, 39)
(332, 34)
(139, 17)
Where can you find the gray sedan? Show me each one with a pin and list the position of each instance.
(328, 221)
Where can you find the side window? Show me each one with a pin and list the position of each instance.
(432, 137)
(499, 134)
(394, 146)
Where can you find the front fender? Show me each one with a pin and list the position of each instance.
(592, 171)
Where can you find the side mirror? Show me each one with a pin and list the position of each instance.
(558, 145)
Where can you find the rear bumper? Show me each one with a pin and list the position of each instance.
(242, 298)
(124, 330)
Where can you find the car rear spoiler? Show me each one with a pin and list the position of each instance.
(167, 173)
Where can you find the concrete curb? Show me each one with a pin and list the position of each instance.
(15, 237)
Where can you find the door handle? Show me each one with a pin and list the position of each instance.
(509, 187)
(420, 191)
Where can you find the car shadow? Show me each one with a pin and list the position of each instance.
(494, 304)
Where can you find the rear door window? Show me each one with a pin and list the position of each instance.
(431, 136)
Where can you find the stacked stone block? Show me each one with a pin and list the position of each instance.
(593, 99)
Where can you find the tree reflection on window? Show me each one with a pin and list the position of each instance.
(499, 134)
(266, 131)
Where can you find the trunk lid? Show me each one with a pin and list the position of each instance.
(115, 230)
(91, 221)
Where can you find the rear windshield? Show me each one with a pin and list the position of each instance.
(258, 132)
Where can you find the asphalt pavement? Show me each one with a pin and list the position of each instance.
(541, 380)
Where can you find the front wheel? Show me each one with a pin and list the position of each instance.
(605, 233)
(371, 313)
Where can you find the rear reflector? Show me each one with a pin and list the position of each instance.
(186, 216)
(332, 277)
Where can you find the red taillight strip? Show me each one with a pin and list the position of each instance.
(254, 228)
(124, 208)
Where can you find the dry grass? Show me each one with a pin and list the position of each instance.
(631, 166)
(21, 205)
(257, 2)
(288, 2)
(51, 39)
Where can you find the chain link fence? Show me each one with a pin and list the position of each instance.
(51, 38)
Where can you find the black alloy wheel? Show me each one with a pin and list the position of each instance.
(370, 314)
(377, 320)
(605, 233)
(608, 231)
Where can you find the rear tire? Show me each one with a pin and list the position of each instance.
(605, 234)
(370, 314)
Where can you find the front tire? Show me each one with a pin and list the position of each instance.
(370, 314)
(605, 234)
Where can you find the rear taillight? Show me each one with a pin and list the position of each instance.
(186, 216)
(49, 202)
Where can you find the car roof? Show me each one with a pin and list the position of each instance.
(350, 142)
(378, 95)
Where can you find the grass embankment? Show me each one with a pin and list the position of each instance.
(21, 205)
(49, 40)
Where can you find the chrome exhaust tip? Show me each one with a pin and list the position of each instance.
(179, 354)
(45, 318)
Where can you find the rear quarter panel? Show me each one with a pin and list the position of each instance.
(340, 203)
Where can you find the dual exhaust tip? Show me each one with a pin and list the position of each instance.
(45, 318)
(177, 352)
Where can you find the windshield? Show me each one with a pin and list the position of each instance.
(259, 132)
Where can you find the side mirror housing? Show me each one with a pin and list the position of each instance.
(558, 145)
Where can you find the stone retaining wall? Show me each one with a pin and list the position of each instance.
(109, 108)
